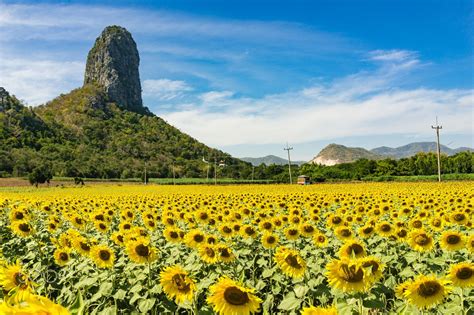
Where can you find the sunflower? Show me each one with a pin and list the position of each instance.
(290, 262)
(452, 240)
(459, 218)
(420, 241)
(140, 251)
(366, 231)
(229, 297)
(347, 275)
(62, 256)
(15, 282)
(313, 310)
(292, 233)
(22, 228)
(427, 291)
(352, 249)
(34, 304)
(385, 229)
(195, 238)
(248, 231)
(172, 234)
(177, 285)
(462, 275)
(307, 229)
(470, 243)
(225, 253)
(270, 240)
(81, 245)
(343, 233)
(320, 240)
(118, 238)
(401, 288)
(334, 221)
(436, 223)
(102, 256)
(266, 225)
(373, 267)
(208, 253)
(226, 230)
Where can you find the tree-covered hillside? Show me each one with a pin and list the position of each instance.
(82, 134)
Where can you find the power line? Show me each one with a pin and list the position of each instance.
(289, 160)
(438, 147)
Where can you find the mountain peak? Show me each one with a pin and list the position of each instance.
(112, 65)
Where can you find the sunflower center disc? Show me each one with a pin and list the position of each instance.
(422, 239)
(198, 238)
(24, 227)
(64, 256)
(293, 261)
(356, 249)
(429, 288)
(104, 255)
(346, 233)
(271, 240)
(386, 228)
(180, 282)
(173, 234)
(464, 273)
(453, 239)
(142, 250)
(235, 296)
(373, 264)
(459, 217)
(210, 252)
(20, 280)
(85, 247)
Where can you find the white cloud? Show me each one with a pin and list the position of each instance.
(363, 104)
(37, 81)
(215, 96)
(394, 55)
(165, 89)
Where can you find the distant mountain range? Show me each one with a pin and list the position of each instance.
(269, 159)
(335, 153)
(415, 147)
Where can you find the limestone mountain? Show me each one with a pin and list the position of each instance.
(336, 154)
(102, 129)
(112, 64)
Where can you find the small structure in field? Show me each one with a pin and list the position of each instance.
(303, 180)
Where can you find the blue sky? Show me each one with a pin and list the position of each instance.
(248, 76)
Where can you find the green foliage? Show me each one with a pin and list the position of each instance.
(40, 175)
(419, 166)
(81, 134)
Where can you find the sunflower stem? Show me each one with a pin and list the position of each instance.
(149, 279)
(461, 295)
(361, 305)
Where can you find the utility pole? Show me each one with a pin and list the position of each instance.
(289, 160)
(145, 174)
(174, 176)
(438, 127)
(215, 171)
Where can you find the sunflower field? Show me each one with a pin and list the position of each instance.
(380, 248)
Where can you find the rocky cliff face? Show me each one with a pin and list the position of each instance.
(112, 64)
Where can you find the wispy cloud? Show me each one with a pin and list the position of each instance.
(37, 81)
(165, 89)
(394, 55)
(362, 104)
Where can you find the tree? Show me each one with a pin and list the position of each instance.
(40, 175)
